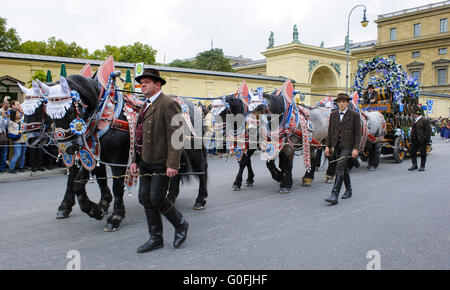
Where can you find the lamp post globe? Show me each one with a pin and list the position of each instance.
(364, 23)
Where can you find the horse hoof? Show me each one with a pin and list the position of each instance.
(285, 190)
(236, 188)
(307, 182)
(63, 214)
(96, 213)
(110, 229)
(249, 184)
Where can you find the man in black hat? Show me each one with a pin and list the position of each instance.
(158, 159)
(344, 136)
(370, 96)
(420, 137)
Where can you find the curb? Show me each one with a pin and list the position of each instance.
(7, 177)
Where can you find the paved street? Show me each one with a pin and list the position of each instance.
(403, 215)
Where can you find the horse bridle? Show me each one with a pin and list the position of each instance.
(65, 137)
(36, 129)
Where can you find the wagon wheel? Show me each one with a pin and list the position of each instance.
(400, 149)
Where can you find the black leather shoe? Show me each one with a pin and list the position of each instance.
(180, 235)
(348, 186)
(336, 190)
(333, 198)
(41, 169)
(348, 193)
(12, 171)
(155, 229)
(180, 224)
(422, 169)
(152, 244)
(414, 167)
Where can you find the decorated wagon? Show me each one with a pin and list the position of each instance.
(398, 95)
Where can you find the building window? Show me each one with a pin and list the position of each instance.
(442, 76)
(416, 74)
(393, 33)
(444, 23)
(416, 54)
(442, 51)
(417, 30)
(393, 57)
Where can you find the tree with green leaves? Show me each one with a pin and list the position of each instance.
(135, 53)
(54, 47)
(183, 64)
(38, 75)
(34, 47)
(214, 60)
(58, 47)
(138, 52)
(106, 52)
(9, 39)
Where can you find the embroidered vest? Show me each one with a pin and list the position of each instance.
(139, 131)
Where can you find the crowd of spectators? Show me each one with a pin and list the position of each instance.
(14, 154)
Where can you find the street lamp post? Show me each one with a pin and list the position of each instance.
(364, 23)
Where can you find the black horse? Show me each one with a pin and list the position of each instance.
(192, 160)
(236, 108)
(275, 106)
(114, 146)
(37, 127)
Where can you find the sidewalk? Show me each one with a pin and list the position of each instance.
(28, 175)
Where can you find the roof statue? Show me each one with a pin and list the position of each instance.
(271, 40)
(295, 35)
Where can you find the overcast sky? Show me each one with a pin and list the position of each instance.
(180, 29)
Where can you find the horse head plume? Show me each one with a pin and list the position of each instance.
(59, 98)
(33, 98)
(45, 89)
(24, 89)
(64, 86)
(36, 88)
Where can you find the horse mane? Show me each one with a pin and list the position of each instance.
(236, 105)
(276, 103)
(88, 89)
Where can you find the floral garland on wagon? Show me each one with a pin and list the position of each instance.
(395, 78)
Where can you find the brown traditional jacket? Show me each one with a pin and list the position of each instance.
(157, 147)
(421, 130)
(349, 129)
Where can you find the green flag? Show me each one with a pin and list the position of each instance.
(49, 77)
(63, 70)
